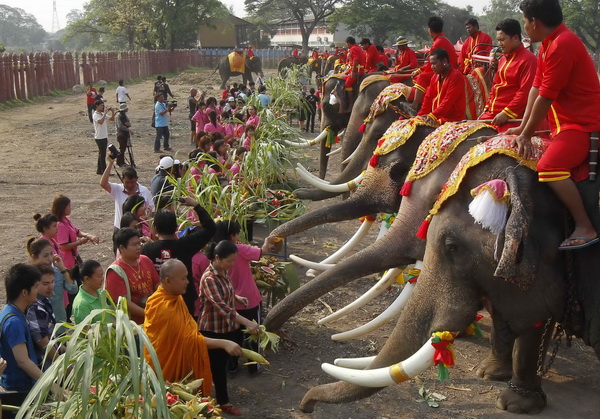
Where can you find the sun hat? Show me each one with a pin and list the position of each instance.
(401, 41)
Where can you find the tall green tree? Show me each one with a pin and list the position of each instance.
(19, 29)
(499, 10)
(307, 13)
(454, 20)
(385, 20)
(583, 17)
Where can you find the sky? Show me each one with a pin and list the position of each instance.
(42, 9)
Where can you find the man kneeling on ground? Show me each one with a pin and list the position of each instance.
(179, 346)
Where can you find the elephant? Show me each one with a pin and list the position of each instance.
(316, 66)
(253, 65)
(398, 246)
(524, 289)
(360, 146)
(336, 122)
(329, 66)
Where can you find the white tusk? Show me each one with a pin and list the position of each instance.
(381, 285)
(341, 134)
(308, 143)
(334, 152)
(309, 177)
(313, 265)
(354, 363)
(351, 156)
(419, 362)
(349, 245)
(326, 186)
(382, 230)
(390, 313)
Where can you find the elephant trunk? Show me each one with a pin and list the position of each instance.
(422, 316)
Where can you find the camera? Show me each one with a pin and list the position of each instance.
(114, 151)
(172, 104)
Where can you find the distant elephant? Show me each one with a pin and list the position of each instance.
(359, 145)
(329, 66)
(525, 289)
(253, 65)
(334, 120)
(398, 246)
(315, 66)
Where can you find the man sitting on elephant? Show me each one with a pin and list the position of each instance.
(356, 68)
(371, 55)
(567, 90)
(445, 99)
(407, 58)
(422, 76)
(513, 80)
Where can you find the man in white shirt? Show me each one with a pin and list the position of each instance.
(101, 132)
(122, 94)
(121, 191)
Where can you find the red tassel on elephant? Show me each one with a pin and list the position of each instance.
(374, 160)
(422, 233)
(362, 128)
(406, 188)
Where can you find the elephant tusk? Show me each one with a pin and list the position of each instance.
(381, 285)
(347, 247)
(354, 363)
(313, 265)
(309, 177)
(416, 364)
(308, 143)
(341, 134)
(334, 152)
(389, 313)
(351, 156)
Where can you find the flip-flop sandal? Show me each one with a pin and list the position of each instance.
(587, 242)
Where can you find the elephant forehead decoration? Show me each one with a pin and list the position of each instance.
(500, 144)
(490, 205)
(387, 96)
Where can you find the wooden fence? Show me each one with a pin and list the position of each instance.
(26, 76)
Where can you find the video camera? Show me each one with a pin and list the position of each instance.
(172, 104)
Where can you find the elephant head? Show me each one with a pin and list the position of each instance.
(255, 65)
(460, 268)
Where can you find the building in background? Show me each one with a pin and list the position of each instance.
(288, 35)
(226, 32)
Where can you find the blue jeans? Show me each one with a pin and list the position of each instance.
(161, 132)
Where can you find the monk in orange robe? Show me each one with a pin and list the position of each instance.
(173, 332)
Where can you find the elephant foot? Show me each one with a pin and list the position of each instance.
(494, 368)
(519, 400)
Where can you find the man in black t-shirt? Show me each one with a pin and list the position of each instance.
(169, 246)
(313, 101)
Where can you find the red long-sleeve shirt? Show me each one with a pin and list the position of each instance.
(464, 60)
(371, 59)
(566, 74)
(445, 99)
(512, 83)
(406, 57)
(440, 41)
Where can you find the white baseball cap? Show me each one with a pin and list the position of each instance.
(165, 163)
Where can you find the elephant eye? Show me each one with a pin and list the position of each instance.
(451, 245)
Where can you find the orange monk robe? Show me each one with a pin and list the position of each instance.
(180, 348)
(510, 89)
(470, 47)
(445, 99)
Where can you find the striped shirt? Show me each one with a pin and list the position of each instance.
(217, 302)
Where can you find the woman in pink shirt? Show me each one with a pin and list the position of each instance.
(200, 117)
(251, 117)
(241, 277)
(211, 105)
(213, 124)
(69, 237)
(47, 226)
(228, 127)
(248, 137)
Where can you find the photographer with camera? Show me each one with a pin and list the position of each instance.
(124, 133)
(101, 132)
(161, 123)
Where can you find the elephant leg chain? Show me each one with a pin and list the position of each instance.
(560, 331)
(526, 393)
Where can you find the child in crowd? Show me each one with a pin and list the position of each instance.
(136, 204)
(91, 296)
(238, 158)
(213, 124)
(251, 117)
(222, 149)
(200, 117)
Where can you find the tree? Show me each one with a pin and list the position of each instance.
(499, 10)
(583, 17)
(20, 29)
(307, 13)
(454, 20)
(385, 20)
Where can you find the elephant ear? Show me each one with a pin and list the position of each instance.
(518, 261)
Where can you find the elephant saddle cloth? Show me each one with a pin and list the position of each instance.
(500, 144)
(398, 133)
(237, 63)
(370, 79)
(477, 93)
(438, 145)
(387, 96)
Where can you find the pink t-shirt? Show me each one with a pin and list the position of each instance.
(67, 233)
(201, 119)
(247, 143)
(235, 169)
(229, 129)
(241, 276)
(210, 127)
(54, 243)
(253, 120)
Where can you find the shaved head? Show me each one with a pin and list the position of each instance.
(168, 267)
(173, 277)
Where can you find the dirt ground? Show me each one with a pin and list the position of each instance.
(48, 148)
